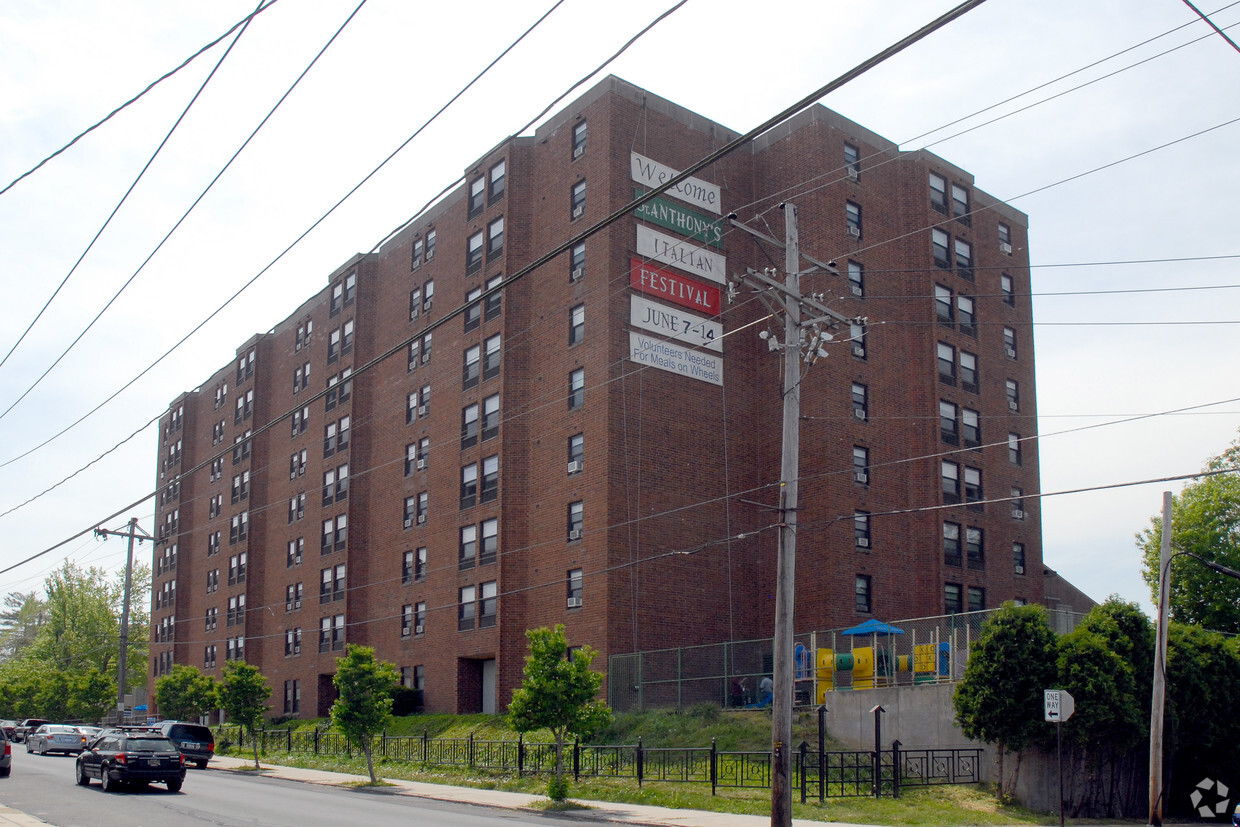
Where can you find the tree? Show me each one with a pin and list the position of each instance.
(1205, 520)
(1000, 699)
(243, 695)
(558, 693)
(24, 613)
(185, 693)
(365, 701)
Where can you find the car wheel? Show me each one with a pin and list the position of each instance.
(4, 772)
(202, 765)
(174, 785)
(82, 778)
(29, 748)
(109, 786)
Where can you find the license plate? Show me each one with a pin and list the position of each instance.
(191, 745)
(152, 762)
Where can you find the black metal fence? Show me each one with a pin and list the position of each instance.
(821, 774)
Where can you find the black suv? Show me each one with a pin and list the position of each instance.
(196, 742)
(119, 757)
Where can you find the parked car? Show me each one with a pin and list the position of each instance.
(196, 742)
(55, 738)
(7, 727)
(28, 726)
(91, 732)
(118, 758)
(6, 754)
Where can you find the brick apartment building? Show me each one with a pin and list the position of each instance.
(544, 454)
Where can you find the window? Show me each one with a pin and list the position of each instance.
(495, 239)
(213, 543)
(1014, 449)
(245, 408)
(973, 487)
(938, 245)
(576, 453)
(236, 610)
(473, 253)
(297, 507)
(579, 139)
(221, 395)
(430, 244)
(335, 534)
(239, 527)
(943, 310)
(490, 417)
(852, 216)
(292, 597)
(971, 427)
(469, 426)
(1013, 395)
(856, 334)
(977, 598)
(339, 389)
(489, 609)
(498, 176)
(968, 371)
(406, 568)
(1018, 504)
(1009, 293)
(296, 550)
(938, 193)
(864, 602)
(301, 421)
(413, 565)
(419, 627)
(852, 161)
(947, 363)
(236, 568)
(469, 485)
(208, 657)
(467, 608)
(472, 316)
(856, 278)
(1009, 342)
(960, 204)
(577, 324)
(952, 599)
(415, 303)
(1005, 239)
(488, 551)
(577, 262)
(477, 195)
(577, 201)
(861, 465)
(951, 482)
(406, 620)
(966, 315)
(951, 545)
(416, 509)
(964, 259)
(576, 588)
(495, 300)
(419, 249)
(333, 345)
(468, 548)
(861, 529)
(296, 468)
(490, 479)
(1018, 558)
(347, 344)
(332, 584)
(336, 484)
(212, 618)
(245, 367)
(860, 401)
(337, 302)
(292, 689)
(418, 404)
(217, 469)
(428, 293)
(331, 633)
(215, 506)
(576, 519)
(975, 549)
(948, 427)
(472, 368)
(492, 356)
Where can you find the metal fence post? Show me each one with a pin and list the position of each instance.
(316, 740)
(822, 754)
(471, 750)
(426, 746)
(576, 761)
(289, 733)
(801, 752)
(520, 754)
(895, 768)
(714, 768)
(639, 761)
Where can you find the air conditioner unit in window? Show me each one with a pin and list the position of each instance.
(297, 649)
(1018, 514)
(421, 519)
(1005, 248)
(859, 413)
(421, 464)
(1013, 405)
(858, 350)
(578, 212)
(854, 231)
(574, 603)
(417, 630)
(1020, 569)
(408, 522)
(853, 173)
(404, 631)
(578, 151)
(863, 542)
(575, 534)
(577, 273)
(861, 477)
(1011, 352)
(423, 410)
(856, 289)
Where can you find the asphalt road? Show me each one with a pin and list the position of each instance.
(43, 786)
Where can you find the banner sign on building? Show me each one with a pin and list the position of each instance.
(656, 352)
(670, 285)
(671, 216)
(680, 253)
(675, 324)
(693, 190)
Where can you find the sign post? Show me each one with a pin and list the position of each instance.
(1059, 706)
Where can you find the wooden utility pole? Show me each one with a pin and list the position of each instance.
(1160, 668)
(122, 660)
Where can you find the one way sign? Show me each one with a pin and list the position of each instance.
(1059, 705)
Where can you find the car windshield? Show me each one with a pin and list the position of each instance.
(155, 744)
(62, 730)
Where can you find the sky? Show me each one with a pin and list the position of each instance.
(1121, 156)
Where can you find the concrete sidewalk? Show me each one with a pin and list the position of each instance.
(601, 811)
